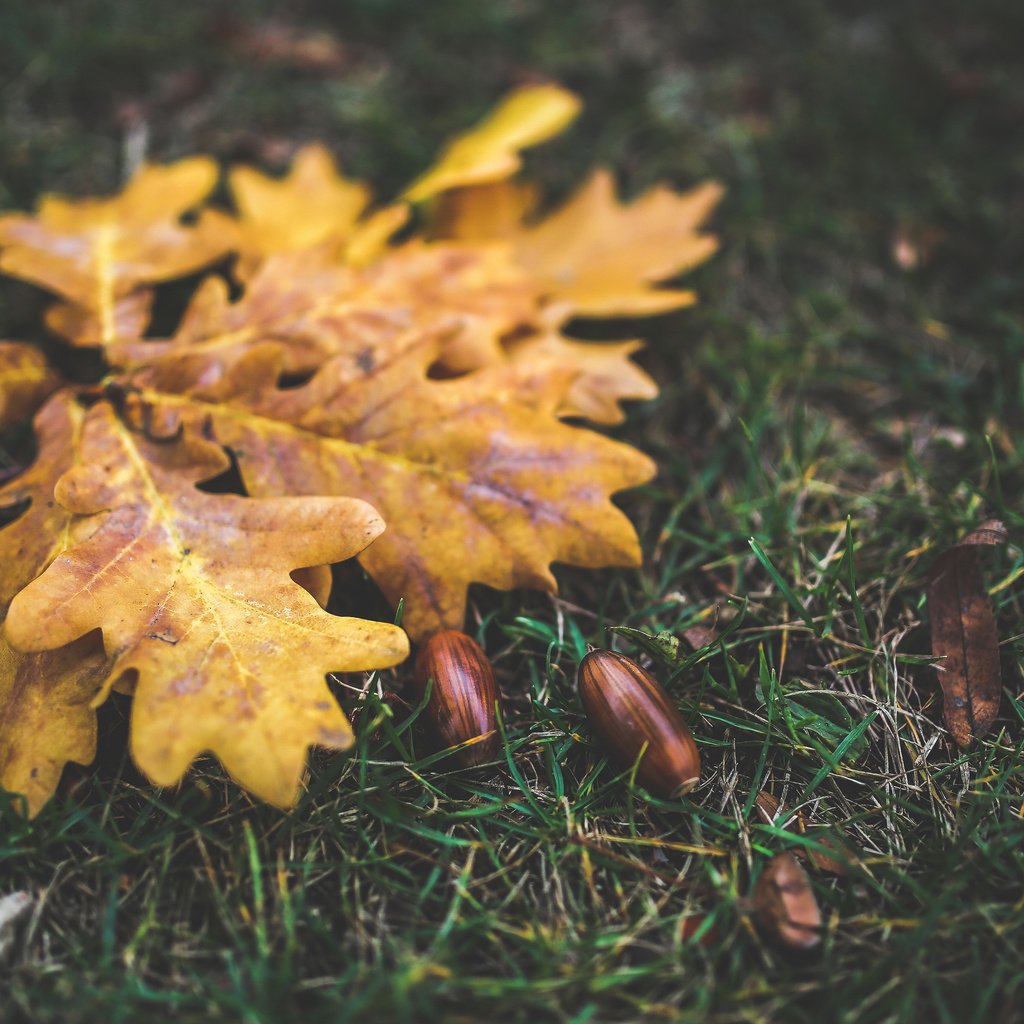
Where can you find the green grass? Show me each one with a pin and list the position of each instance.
(850, 416)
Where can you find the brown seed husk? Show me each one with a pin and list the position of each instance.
(785, 905)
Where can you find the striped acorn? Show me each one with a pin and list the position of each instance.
(627, 708)
(464, 695)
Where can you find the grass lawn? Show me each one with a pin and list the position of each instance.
(849, 394)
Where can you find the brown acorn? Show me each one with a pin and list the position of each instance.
(464, 695)
(627, 708)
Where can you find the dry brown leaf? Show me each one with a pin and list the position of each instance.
(192, 593)
(700, 636)
(596, 256)
(785, 905)
(311, 205)
(25, 381)
(964, 636)
(96, 251)
(490, 151)
(770, 810)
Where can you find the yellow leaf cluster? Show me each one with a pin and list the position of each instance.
(409, 403)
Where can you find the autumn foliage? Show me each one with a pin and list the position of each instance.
(402, 401)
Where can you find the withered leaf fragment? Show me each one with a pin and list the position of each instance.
(785, 905)
(964, 636)
(192, 592)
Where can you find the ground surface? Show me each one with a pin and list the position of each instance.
(858, 352)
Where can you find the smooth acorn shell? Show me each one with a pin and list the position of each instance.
(627, 708)
(464, 695)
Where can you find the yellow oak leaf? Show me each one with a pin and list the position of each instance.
(46, 715)
(94, 251)
(46, 718)
(37, 528)
(490, 151)
(595, 256)
(311, 205)
(25, 381)
(317, 309)
(192, 593)
(476, 483)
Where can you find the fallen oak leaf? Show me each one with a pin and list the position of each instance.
(596, 256)
(25, 381)
(490, 151)
(46, 717)
(484, 213)
(964, 635)
(311, 205)
(476, 485)
(192, 593)
(316, 309)
(94, 252)
(38, 527)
